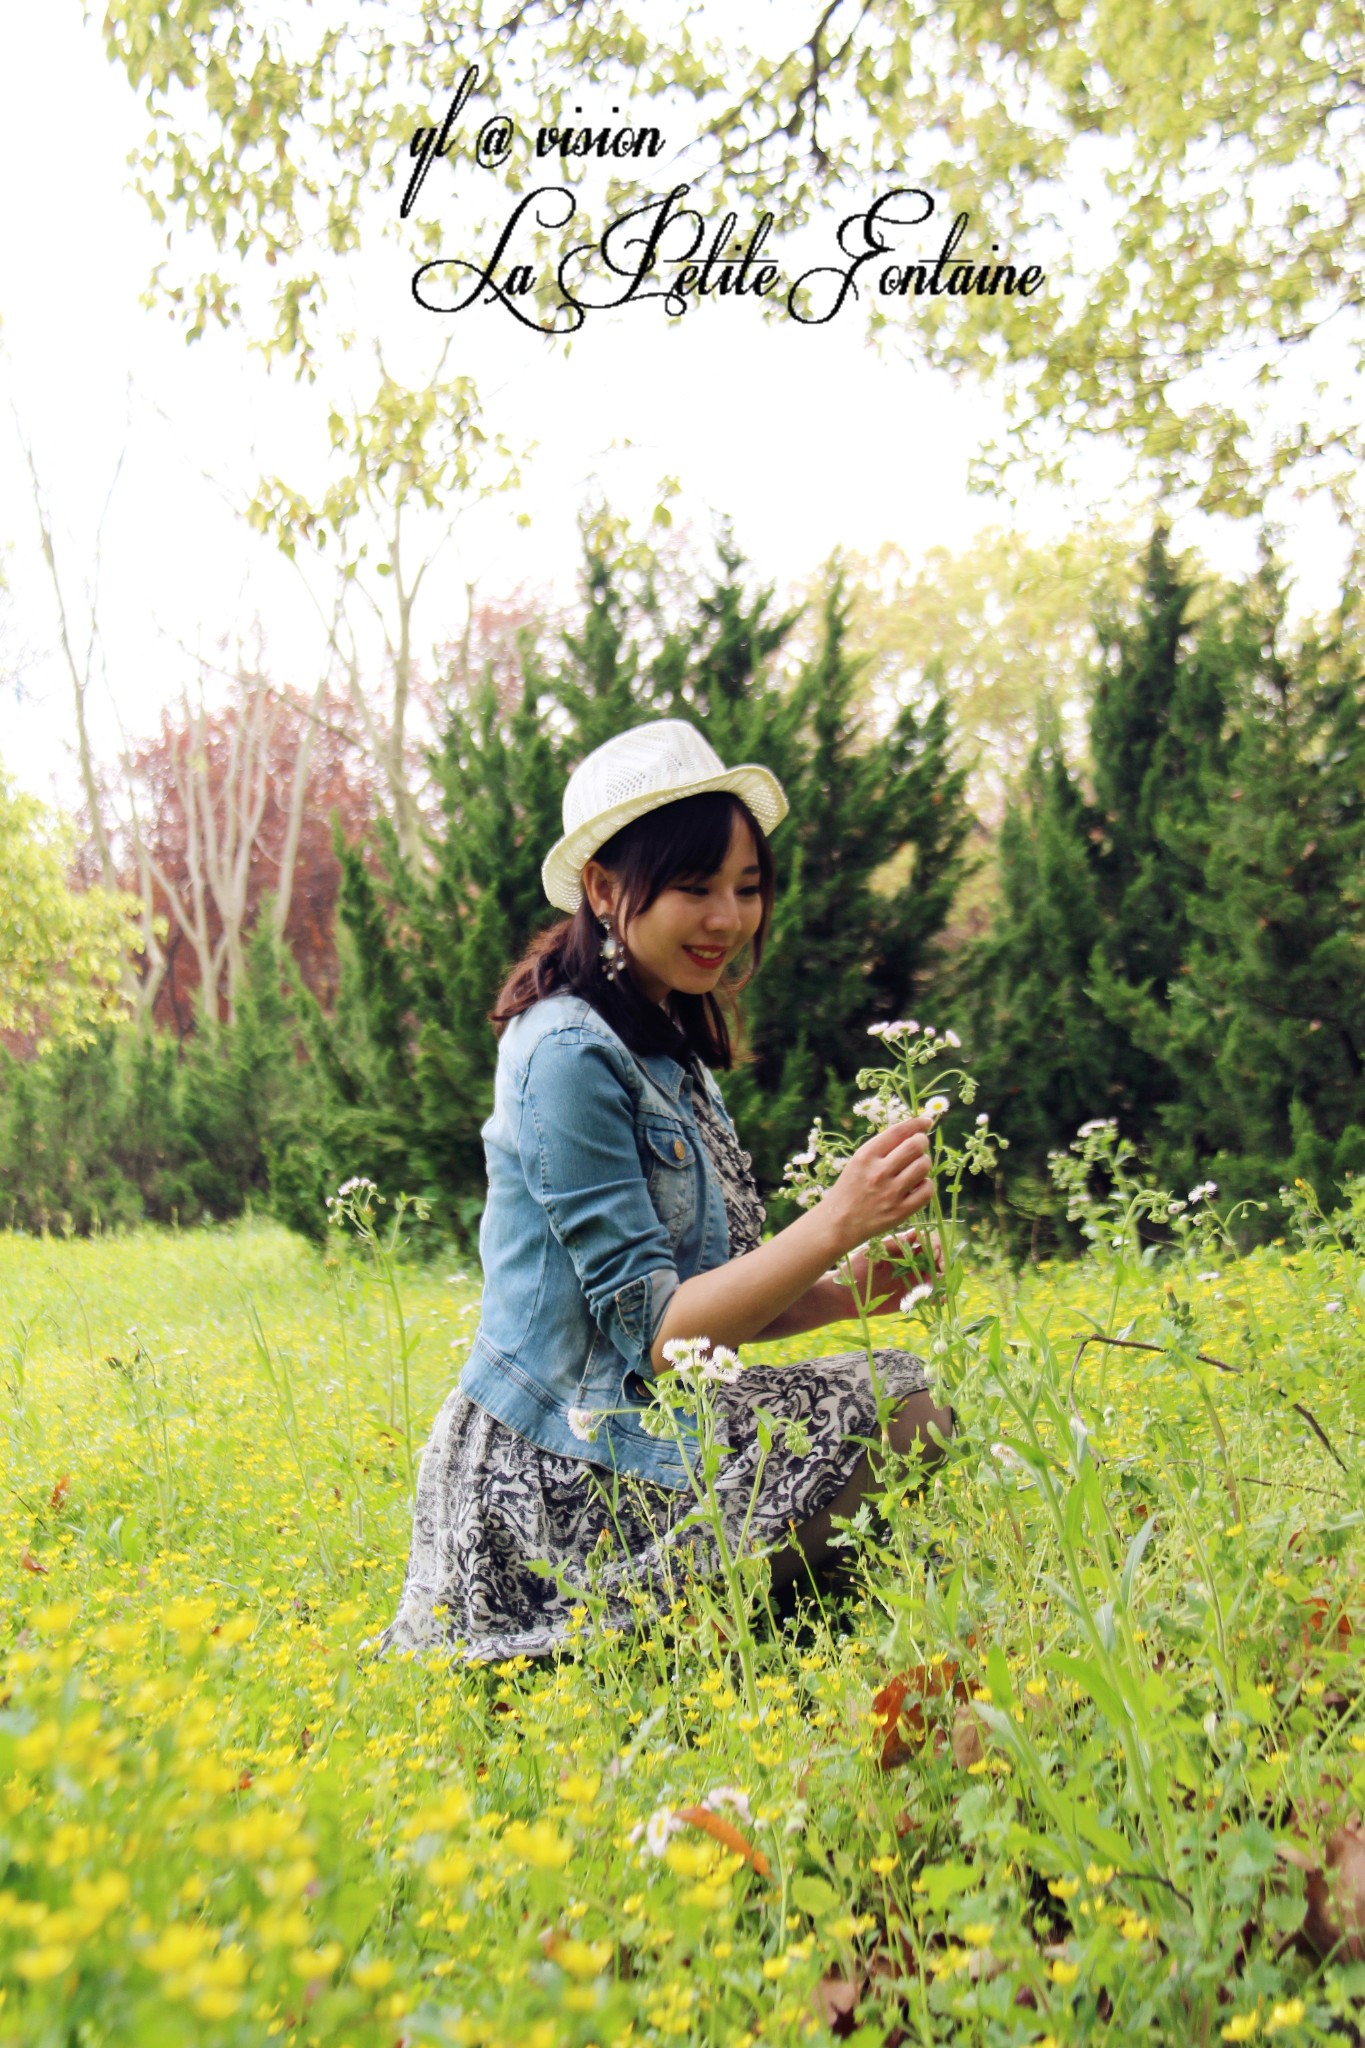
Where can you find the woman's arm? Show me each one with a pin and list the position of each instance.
(825, 1302)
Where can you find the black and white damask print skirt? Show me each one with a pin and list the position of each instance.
(489, 1505)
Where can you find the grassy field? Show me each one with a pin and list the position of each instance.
(1071, 1765)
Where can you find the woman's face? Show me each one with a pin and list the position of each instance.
(717, 916)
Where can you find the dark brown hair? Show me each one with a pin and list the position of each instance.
(686, 840)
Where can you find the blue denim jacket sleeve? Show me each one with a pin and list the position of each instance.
(578, 1152)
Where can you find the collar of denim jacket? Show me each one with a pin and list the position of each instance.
(663, 1069)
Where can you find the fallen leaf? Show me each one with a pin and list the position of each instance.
(835, 2000)
(1335, 1920)
(1316, 1622)
(968, 1748)
(889, 1708)
(726, 1833)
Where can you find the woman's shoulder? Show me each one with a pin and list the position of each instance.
(562, 1012)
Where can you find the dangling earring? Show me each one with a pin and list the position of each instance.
(611, 953)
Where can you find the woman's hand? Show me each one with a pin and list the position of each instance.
(881, 1185)
(891, 1283)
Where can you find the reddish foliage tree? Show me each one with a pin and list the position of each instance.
(227, 806)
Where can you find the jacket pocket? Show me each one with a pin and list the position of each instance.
(670, 1161)
(669, 1142)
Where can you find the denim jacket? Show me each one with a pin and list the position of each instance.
(601, 1200)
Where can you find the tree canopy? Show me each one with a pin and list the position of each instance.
(62, 951)
(1191, 181)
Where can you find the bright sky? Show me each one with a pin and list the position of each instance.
(804, 436)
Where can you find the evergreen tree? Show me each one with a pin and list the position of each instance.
(1044, 1051)
(1266, 1031)
(1159, 753)
(92, 1136)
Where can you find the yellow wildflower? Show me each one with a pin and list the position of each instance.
(1242, 2027)
(316, 1962)
(372, 1975)
(540, 1844)
(38, 1965)
(583, 1959)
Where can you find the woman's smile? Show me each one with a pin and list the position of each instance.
(660, 958)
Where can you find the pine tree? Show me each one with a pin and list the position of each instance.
(1266, 1034)
(1159, 752)
(1044, 1051)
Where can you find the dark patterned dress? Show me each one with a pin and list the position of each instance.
(489, 1502)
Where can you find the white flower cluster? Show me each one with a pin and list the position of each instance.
(359, 1189)
(664, 1821)
(692, 1357)
(930, 1046)
(806, 1187)
(1096, 1123)
(882, 1110)
(807, 1158)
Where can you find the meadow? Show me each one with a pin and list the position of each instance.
(1080, 1751)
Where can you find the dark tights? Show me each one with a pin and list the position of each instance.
(908, 1429)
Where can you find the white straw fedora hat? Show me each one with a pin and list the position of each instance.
(638, 771)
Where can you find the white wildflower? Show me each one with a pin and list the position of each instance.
(1096, 1123)
(1208, 1276)
(679, 1350)
(1010, 1459)
(583, 1424)
(662, 1823)
(1205, 1191)
(916, 1294)
(1332, 1308)
(723, 1366)
(951, 1038)
(982, 1121)
(936, 1106)
(731, 1796)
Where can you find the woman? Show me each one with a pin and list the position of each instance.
(622, 1215)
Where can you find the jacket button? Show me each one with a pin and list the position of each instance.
(679, 1149)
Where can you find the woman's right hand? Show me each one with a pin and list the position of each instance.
(882, 1184)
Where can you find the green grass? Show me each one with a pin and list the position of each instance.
(1130, 1637)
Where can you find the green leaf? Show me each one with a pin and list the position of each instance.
(1093, 1683)
(814, 1896)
